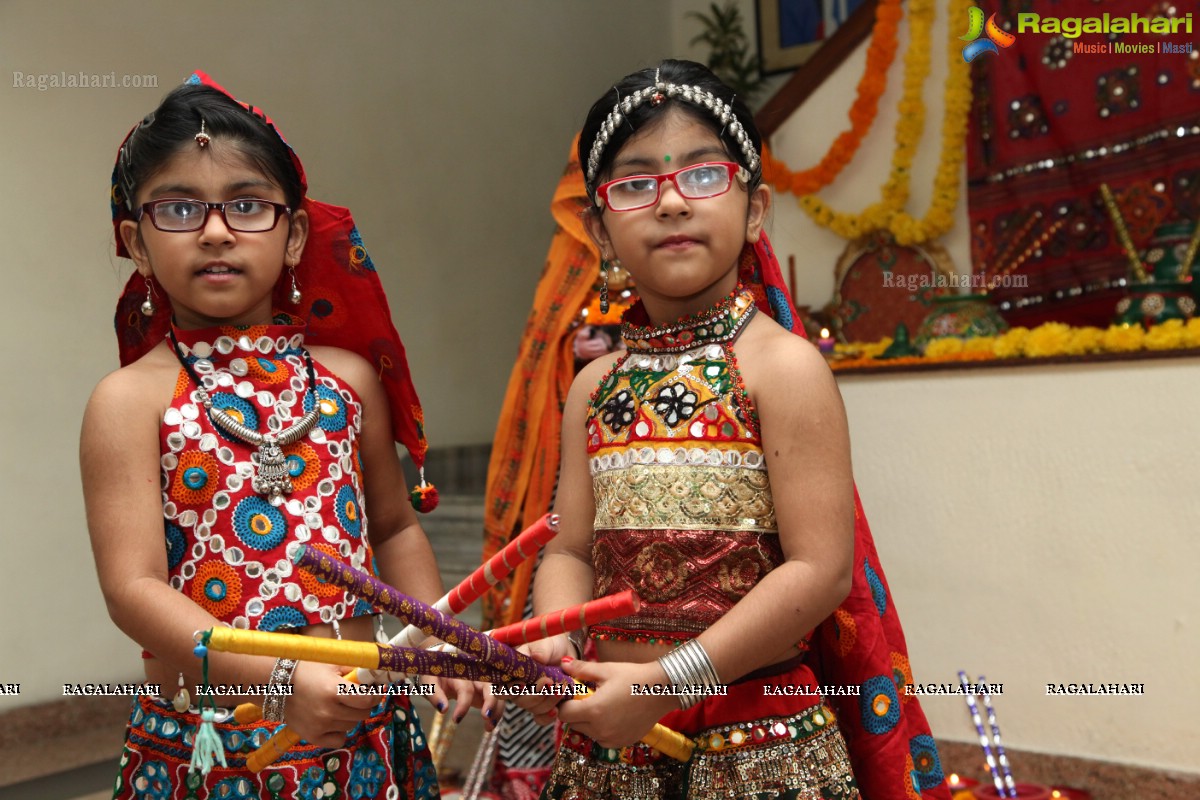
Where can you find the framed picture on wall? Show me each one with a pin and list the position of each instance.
(790, 32)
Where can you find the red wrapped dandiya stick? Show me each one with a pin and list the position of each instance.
(496, 569)
(501, 565)
(574, 618)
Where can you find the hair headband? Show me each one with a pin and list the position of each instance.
(655, 95)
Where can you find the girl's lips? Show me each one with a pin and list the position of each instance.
(676, 243)
(218, 269)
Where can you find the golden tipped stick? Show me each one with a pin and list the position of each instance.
(1118, 221)
(365, 655)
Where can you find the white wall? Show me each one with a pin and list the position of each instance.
(444, 126)
(1036, 524)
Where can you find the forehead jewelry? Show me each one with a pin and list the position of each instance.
(655, 95)
(202, 137)
(667, 158)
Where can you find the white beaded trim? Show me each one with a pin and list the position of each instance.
(676, 457)
(690, 94)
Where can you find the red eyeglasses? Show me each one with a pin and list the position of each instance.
(699, 181)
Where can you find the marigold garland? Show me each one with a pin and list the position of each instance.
(881, 52)
(888, 213)
(1045, 341)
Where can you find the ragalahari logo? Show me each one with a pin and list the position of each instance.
(995, 35)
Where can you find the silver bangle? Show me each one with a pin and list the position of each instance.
(281, 675)
(689, 666)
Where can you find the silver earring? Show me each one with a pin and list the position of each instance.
(148, 307)
(295, 296)
(605, 266)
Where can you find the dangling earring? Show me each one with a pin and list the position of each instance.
(148, 307)
(295, 295)
(604, 265)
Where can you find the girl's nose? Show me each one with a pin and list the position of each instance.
(671, 202)
(215, 230)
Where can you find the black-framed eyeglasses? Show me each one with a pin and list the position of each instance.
(245, 215)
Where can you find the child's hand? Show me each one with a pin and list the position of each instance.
(471, 693)
(612, 716)
(544, 651)
(315, 710)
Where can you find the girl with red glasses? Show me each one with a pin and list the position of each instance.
(708, 468)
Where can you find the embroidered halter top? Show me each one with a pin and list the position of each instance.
(227, 545)
(684, 512)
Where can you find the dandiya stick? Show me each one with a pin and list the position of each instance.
(1001, 756)
(427, 619)
(497, 568)
(502, 662)
(574, 618)
(1114, 212)
(368, 655)
(984, 742)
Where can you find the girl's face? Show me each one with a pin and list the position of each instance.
(682, 253)
(214, 275)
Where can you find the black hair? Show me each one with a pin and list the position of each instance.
(687, 73)
(174, 124)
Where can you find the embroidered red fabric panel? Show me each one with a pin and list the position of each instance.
(227, 544)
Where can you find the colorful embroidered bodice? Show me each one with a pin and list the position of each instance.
(684, 513)
(226, 543)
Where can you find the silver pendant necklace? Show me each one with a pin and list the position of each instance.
(271, 474)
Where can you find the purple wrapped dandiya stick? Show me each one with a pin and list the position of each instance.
(501, 658)
(414, 661)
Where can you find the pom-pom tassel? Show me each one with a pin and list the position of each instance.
(208, 748)
(424, 497)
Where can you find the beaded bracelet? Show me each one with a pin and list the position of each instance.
(281, 675)
(689, 666)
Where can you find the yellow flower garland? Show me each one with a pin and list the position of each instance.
(1045, 341)
(888, 213)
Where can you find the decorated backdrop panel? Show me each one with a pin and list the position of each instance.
(1055, 116)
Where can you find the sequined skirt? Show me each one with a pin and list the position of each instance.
(747, 746)
(384, 757)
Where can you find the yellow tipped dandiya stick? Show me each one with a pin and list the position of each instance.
(670, 743)
(368, 655)
(524, 546)
(334, 651)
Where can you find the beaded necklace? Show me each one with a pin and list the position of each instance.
(271, 475)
